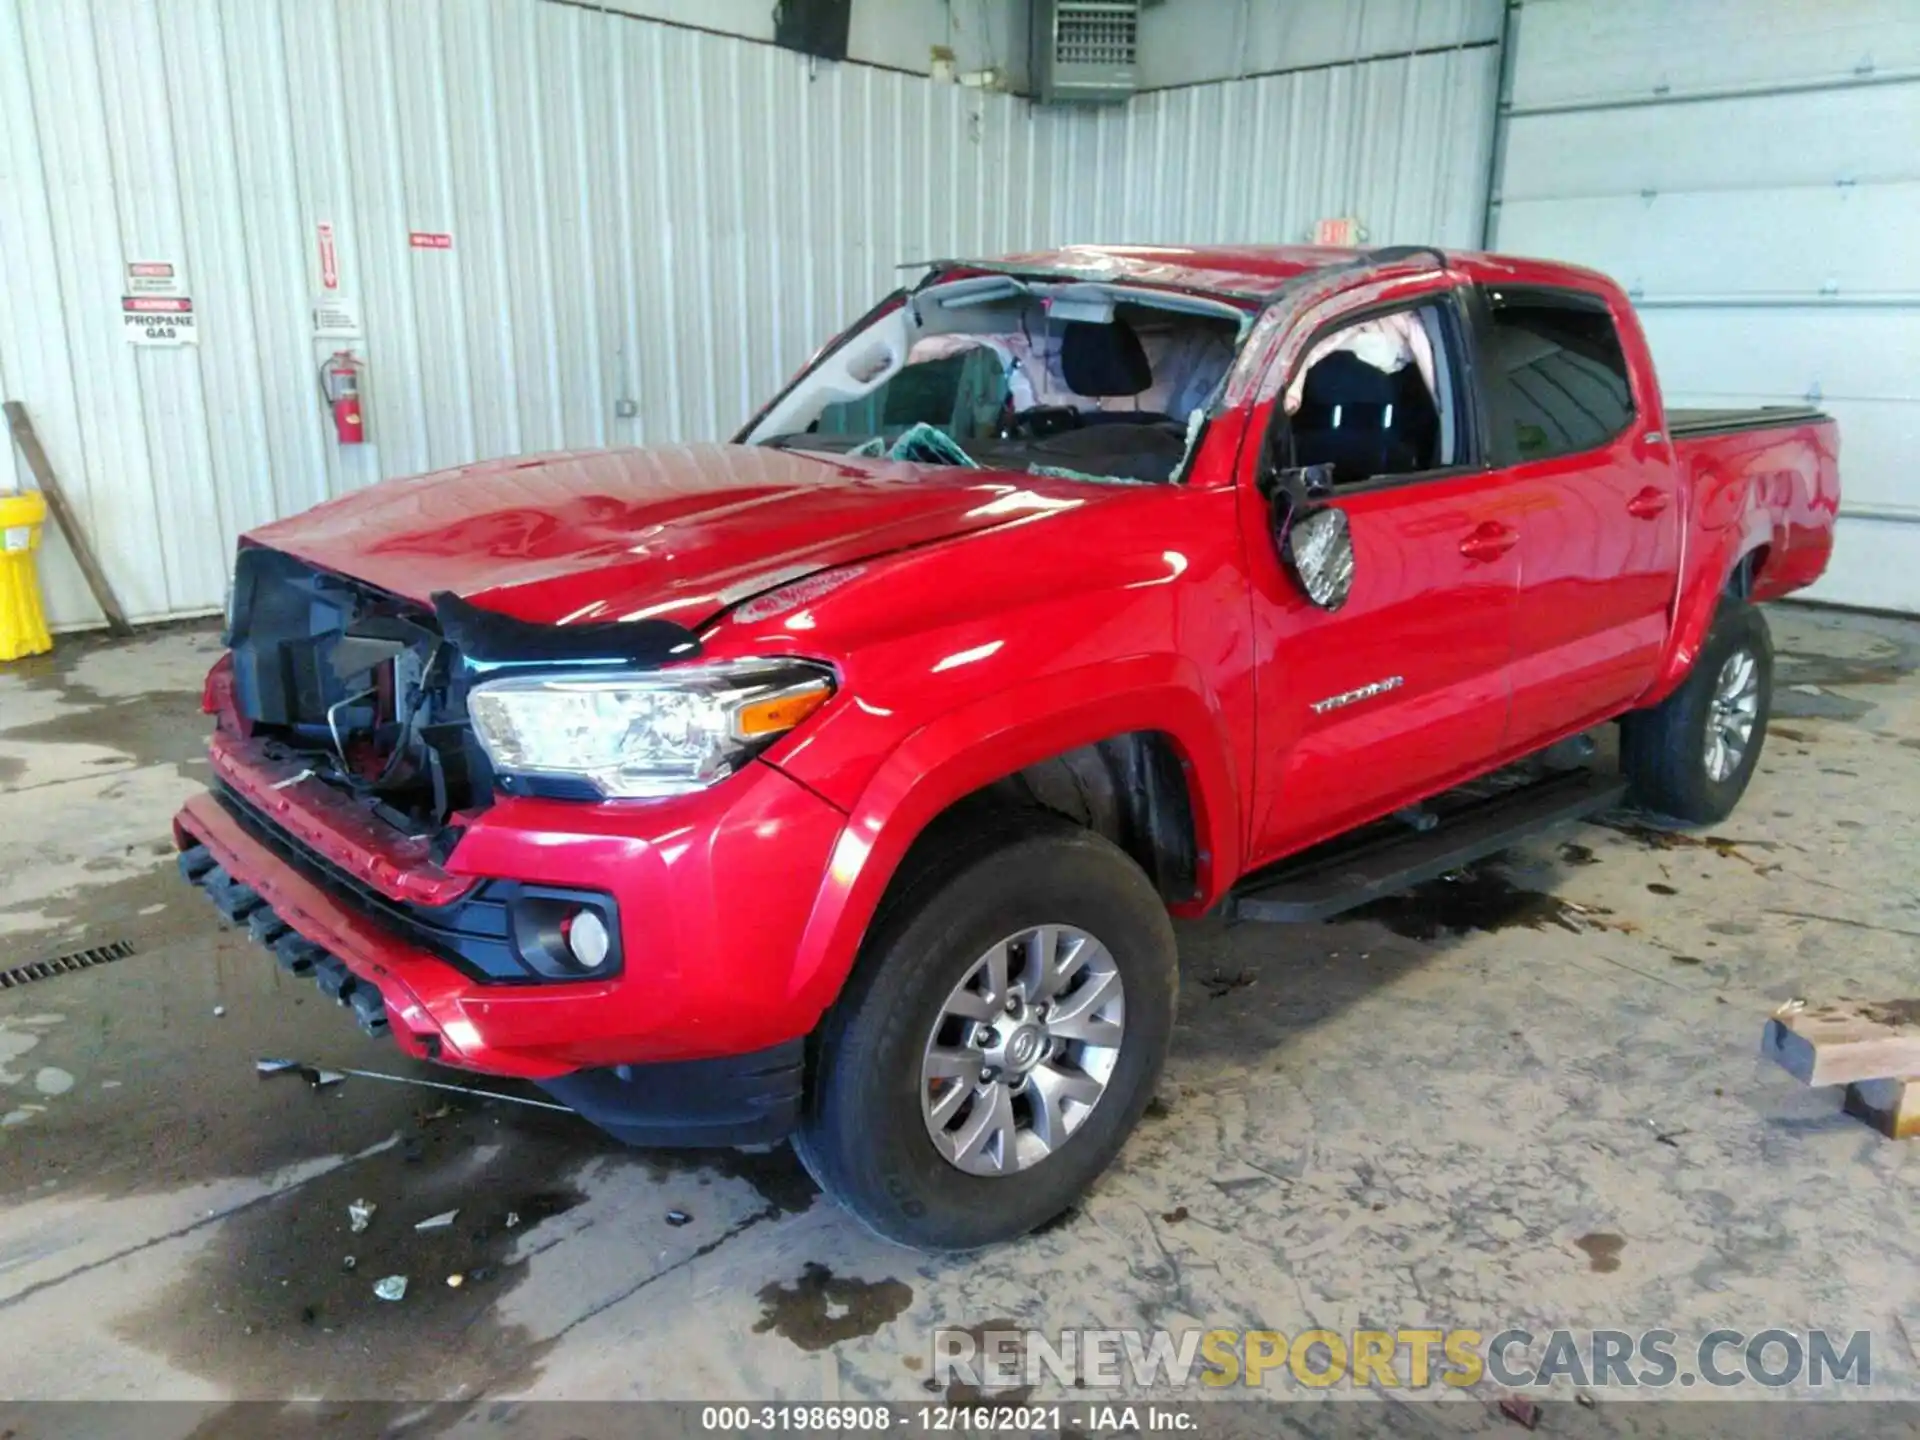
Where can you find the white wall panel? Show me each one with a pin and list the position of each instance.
(1184, 42)
(640, 213)
(1749, 170)
(1578, 52)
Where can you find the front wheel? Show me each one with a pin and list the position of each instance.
(1690, 757)
(1002, 1034)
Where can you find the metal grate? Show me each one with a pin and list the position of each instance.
(64, 964)
(1095, 34)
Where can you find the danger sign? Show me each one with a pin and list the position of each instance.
(152, 277)
(158, 320)
(430, 240)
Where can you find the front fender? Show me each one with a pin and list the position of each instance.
(990, 738)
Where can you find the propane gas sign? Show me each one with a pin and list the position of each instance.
(155, 308)
(158, 320)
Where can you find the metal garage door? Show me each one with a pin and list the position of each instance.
(1750, 170)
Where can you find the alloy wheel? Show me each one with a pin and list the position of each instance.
(1023, 1049)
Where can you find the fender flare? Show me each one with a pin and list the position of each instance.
(993, 737)
(1699, 601)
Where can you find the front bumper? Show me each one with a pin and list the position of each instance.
(713, 892)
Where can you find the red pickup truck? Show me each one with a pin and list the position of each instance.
(839, 782)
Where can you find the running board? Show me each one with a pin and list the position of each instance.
(1378, 861)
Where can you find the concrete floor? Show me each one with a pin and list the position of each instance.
(1530, 1097)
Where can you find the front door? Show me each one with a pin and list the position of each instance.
(1403, 690)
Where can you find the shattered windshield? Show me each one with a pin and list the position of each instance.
(1071, 379)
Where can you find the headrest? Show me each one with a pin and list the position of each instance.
(1343, 378)
(1103, 359)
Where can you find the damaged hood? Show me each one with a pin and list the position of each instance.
(676, 533)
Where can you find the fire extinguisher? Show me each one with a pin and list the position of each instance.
(340, 386)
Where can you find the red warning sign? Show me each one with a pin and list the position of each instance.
(430, 240)
(329, 265)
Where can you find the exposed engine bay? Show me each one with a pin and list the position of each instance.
(360, 687)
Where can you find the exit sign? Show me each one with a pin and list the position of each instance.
(1344, 232)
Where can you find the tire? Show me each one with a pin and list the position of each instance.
(866, 1133)
(1667, 751)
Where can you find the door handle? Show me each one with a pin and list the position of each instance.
(1648, 503)
(1489, 541)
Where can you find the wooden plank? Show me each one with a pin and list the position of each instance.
(1890, 1106)
(63, 515)
(1846, 1042)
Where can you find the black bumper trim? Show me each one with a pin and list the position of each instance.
(747, 1099)
(474, 934)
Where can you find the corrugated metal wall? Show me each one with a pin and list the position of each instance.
(637, 213)
(1751, 172)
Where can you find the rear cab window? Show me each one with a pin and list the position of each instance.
(1553, 373)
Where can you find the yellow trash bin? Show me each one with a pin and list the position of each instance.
(23, 628)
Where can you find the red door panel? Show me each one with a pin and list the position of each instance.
(1598, 561)
(1401, 692)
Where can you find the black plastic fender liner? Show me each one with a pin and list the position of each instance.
(495, 639)
(751, 1099)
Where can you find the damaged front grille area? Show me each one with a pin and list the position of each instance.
(243, 905)
(473, 934)
(357, 684)
(501, 932)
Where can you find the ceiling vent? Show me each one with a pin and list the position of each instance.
(1085, 51)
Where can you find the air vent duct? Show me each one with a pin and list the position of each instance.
(1085, 51)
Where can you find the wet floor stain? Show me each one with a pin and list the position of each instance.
(1804, 685)
(1175, 1216)
(1799, 737)
(1656, 888)
(999, 1346)
(1898, 658)
(159, 727)
(1892, 1012)
(1685, 959)
(1220, 984)
(1478, 898)
(1602, 1249)
(774, 1173)
(1158, 1108)
(821, 1309)
(1652, 837)
(1573, 854)
(282, 1301)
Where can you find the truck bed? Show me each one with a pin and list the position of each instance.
(1684, 423)
(1767, 477)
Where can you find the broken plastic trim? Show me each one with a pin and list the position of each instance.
(491, 638)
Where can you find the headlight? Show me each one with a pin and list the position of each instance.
(662, 732)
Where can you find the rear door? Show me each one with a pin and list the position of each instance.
(1403, 690)
(1573, 423)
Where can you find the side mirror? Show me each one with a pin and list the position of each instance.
(1313, 538)
(1318, 549)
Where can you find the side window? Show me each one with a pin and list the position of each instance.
(1556, 381)
(1378, 398)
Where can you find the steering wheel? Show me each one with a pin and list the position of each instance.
(1041, 421)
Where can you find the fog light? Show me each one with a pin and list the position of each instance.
(587, 939)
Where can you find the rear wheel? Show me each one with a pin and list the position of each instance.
(1690, 757)
(1003, 1032)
